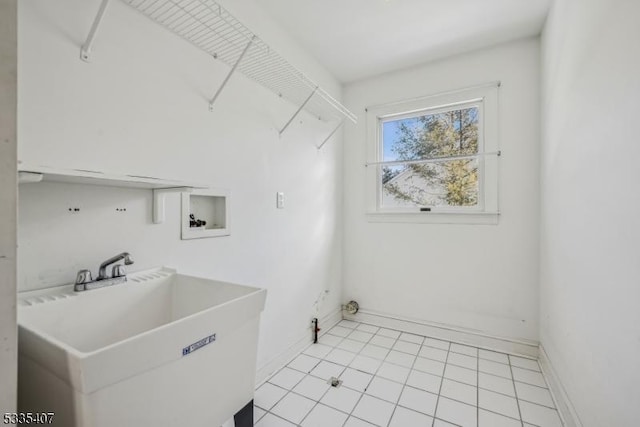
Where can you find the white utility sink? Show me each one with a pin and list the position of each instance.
(162, 349)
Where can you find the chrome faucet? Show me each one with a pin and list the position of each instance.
(118, 274)
(117, 270)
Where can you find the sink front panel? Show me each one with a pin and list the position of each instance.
(202, 389)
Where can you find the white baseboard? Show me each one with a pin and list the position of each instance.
(561, 398)
(449, 333)
(326, 322)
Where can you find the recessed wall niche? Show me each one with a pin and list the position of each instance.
(205, 213)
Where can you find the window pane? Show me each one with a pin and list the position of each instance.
(448, 133)
(446, 183)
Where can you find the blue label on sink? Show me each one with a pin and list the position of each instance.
(198, 345)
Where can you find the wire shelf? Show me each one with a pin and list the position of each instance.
(211, 28)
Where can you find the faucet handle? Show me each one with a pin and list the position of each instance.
(118, 271)
(83, 276)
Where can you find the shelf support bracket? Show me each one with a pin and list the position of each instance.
(29, 177)
(306, 101)
(331, 134)
(233, 70)
(159, 201)
(85, 51)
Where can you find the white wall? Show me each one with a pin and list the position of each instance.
(141, 107)
(8, 204)
(471, 276)
(590, 262)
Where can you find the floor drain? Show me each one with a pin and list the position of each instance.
(334, 382)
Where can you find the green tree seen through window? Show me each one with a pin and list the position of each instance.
(450, 182)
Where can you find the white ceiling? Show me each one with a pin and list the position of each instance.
(355, 39)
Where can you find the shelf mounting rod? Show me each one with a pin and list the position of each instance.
(331, 134)
(85, 51)
(299, 109)
(233, 70)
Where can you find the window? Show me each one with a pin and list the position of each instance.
(434, 159)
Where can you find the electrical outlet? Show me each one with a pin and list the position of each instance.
(280, 200)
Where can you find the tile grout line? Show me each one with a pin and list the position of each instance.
(508, 358)
(314, 406)
(415, 410)
(508, 395)
(329, 389)
(437, 348)
(373, 376)
(365, 389)
(478, 356)
(411, 369)
(416, 388)
(285, 395)
(435, 410)
(484, 348)
(309, 373)
(477, 405)
(458, 401)
(478, 388)
(513, 380)
(268, 411)
(422, 345)
(524, 369)
(345, 369)
(453, 380)
(465, 367)
(404, 385)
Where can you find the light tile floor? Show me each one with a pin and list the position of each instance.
(395, 379)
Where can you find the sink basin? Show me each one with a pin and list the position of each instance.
(161, 349)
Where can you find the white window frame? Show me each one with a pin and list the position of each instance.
(486, 211)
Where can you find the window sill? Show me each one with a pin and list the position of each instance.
(481, 218)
